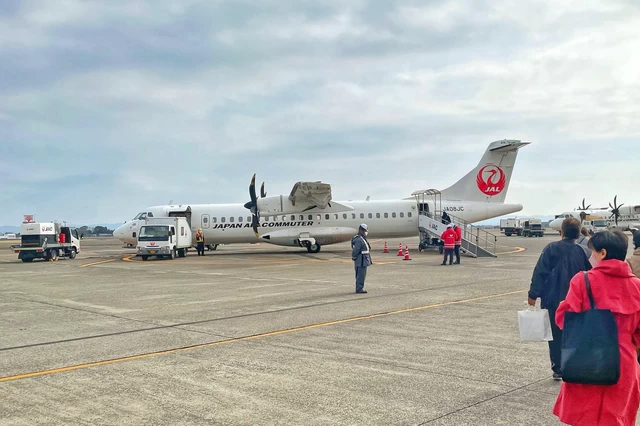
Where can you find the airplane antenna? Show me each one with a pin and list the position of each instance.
(170, 202)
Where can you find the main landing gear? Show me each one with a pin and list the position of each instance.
(313, 248)
(310, 243)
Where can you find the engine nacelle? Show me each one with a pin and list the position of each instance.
(322, 236)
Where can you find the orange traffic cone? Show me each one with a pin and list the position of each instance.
(386, 250)
(400, 250)
(406, 253)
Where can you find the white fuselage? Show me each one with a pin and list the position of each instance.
(231, 223)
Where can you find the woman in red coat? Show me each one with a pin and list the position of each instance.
(614, 287)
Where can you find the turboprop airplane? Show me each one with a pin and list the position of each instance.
(308, 217)
(615, 216)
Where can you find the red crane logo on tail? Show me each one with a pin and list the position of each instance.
(491, 180)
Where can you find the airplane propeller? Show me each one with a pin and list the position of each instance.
(262, 193)
(583, 207)
(253, 205)
(615, 209)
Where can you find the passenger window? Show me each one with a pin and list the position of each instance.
(386, 215)
(393, 215)
(401, 214)
(326, 216)
(301, 217)
(353, 215)
(231, 219)
(205, 220)
(310, 217)
(344, 216)
(409, 214)
(361, 215)
(319, 217)
(214, 219)
(248, 218)
(222, 219)
(293, 217)
(370, 215)
(240, 219)
(378, 215)
(335, 216)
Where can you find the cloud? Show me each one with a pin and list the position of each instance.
(108, 107)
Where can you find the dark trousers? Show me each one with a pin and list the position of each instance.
(361, 274)
(200, 248)
(448, 253)
(555, 346)
(457, 252)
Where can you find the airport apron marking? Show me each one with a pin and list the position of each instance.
(251, 337)
(518, 250)
(97, 263)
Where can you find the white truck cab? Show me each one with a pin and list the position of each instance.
(164, 237)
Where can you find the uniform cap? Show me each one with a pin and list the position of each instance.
(364, 226)
(449, 226)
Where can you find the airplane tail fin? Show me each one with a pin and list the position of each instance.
(489, 181)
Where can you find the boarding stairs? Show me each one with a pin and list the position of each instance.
(475, 241)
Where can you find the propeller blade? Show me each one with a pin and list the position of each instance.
(253, 206)
(262, 193)
(252, 190)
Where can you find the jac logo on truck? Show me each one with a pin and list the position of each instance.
(47, 228)
(491, 180)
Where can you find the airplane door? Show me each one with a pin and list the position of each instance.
(205, 221)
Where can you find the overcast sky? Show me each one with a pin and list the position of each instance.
(108, 107)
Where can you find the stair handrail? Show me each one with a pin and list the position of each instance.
(486, 241)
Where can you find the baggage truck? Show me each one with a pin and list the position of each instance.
(164, 237)
(46, 240)
(511, 226)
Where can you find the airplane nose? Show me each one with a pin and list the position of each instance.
(119, 232)
(556, 224)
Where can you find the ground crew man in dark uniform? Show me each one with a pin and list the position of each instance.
(361, 256)
(200, 242)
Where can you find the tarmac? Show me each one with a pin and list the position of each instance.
(259, 334)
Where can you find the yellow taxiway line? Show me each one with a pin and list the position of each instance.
(517, 250)
(97, 263)
(252, 337)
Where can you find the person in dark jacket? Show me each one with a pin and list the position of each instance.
(557, 265)
(361, 256)
(445, 218)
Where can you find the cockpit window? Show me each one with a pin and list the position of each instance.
(140, 216)
(150, 214)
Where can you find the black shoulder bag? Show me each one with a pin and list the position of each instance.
(590, 351)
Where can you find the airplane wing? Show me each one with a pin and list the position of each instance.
(304, 197)
(311, 193)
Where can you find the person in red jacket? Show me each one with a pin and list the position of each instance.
(458, 231)
(614, 287)
(449, 237)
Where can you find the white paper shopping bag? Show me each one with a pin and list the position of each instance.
(535, 325)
